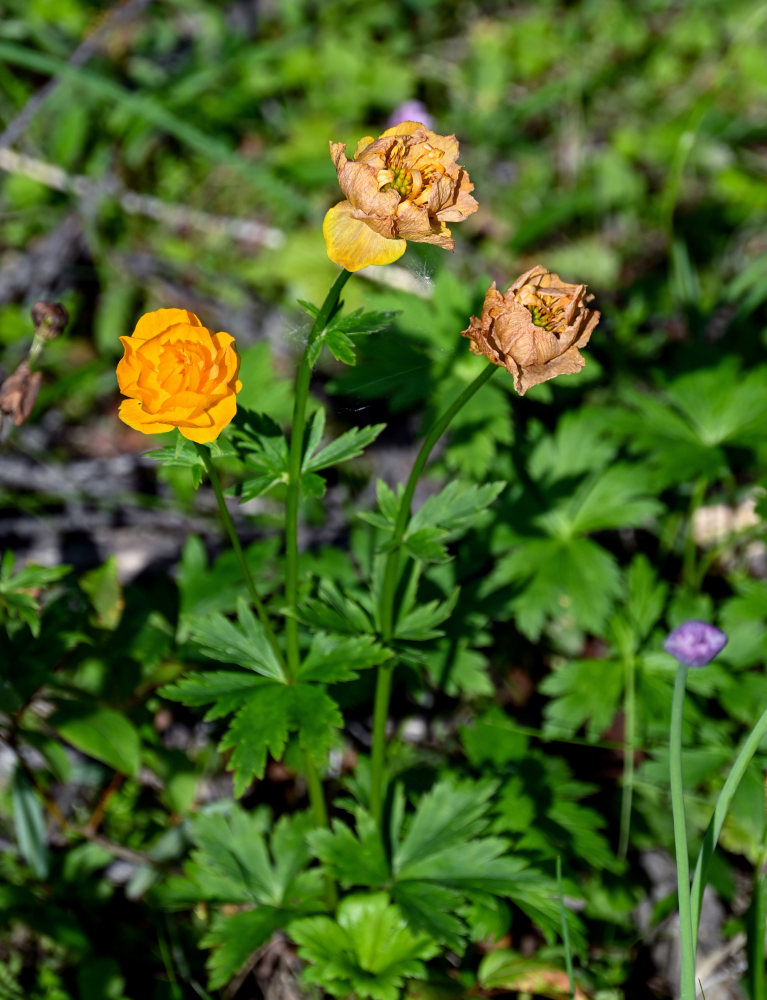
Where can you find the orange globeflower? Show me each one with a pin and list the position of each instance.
(179, 374)
(405, 185)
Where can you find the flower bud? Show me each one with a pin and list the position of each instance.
(695, 643)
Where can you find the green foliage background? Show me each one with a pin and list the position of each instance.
(618, 143)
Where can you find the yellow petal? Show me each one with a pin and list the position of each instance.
(352, 244)
(363, 145)
(220, 414)
(132, 413)
(404, 128)
(155, 322)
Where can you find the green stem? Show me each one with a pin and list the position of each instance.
(565, 930)
(697, 497)
(389, 588)
(629, 716)
(294, 468)
(436, 431)
(756, 976)
(226, 517)
(687, 985)
(320, 813)
(314, 785)
(723, 803)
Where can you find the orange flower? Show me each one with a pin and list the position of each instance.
(178, 374)
(405, 185)
(535, 328)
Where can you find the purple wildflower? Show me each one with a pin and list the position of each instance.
(411, 111)
(695, 643)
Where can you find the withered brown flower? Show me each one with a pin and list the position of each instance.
(405, 185)
(19, 392)
(535, 328)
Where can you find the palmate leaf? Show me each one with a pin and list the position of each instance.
(579, 445)
(332, 658)
(582, 691)
(616, 497)
(367, 951)
(576, 580)
(232, 863)
(233, 939)
(244, 644)
(441, 864)
(265, 712)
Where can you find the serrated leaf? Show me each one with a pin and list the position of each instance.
(335, 612)
(420, 624)
(312, 436)
(615, 498)
(317, 718)
(353, 860)
(368, 952)
(265, 712)
(232, 864)
(450, 813)
(341, 346)
(426, 544)
(455, 507)
(263, 449)
(332, 658)
(582, 691)
(351, 444)
(244, 644)
(388, 501)
(101, 733)
(312, 485)
(362, 322)
(646, 597)
(259, 727)
(225, 690)
(575, 580)
(234, 938)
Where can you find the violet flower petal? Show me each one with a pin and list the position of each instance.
(411, 111)
(695, 643)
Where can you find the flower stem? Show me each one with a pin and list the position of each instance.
(723, 803)
(389, 588)
(565, 930)
(226, 518)
(294, 467)
(689, 560)
(629, 716)
(313, 783)
(687, 984)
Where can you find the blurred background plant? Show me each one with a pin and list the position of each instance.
(175, 152)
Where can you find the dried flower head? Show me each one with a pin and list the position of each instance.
(178, 374)
(49, 318)
(535, 328)
(19, 392)
(405, 185)
(695, 643)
